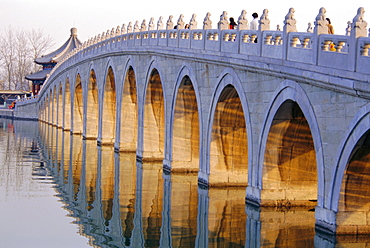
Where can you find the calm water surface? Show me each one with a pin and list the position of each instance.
(32, 213)
(57, 190)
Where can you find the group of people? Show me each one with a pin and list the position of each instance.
(253, 24)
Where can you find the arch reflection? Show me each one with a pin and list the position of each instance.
(119, 202)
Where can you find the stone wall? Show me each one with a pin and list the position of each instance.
(26, 109)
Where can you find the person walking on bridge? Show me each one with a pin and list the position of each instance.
(254, 22)
(233, 24)
(330, 27)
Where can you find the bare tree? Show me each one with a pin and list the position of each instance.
(39, 44)
(18, 50)
(7, 53)
(23, 61)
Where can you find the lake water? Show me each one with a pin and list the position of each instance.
(57, 190)
(31, 212)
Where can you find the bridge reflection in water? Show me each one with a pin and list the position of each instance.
(119, 202)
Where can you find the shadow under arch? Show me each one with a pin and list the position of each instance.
(41, 110)
(185, 136)
(92, 107)
(67, 104)
(50, 107)
(78, 106)
(129, 113)
(228, 136)
(47, 107)
(153, 118)
(108, 109)
(60, 105)
(55, 106)
(290, 113)
(350, 194)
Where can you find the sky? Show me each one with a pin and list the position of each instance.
(55, 18)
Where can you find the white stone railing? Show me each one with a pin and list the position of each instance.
(348, 53)
(27, 100)
(270, 44)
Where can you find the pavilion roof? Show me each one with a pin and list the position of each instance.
(61, 52)
(40, 75)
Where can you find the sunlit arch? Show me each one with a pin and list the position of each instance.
(60, 105)
(78, 106)
(67, 105)
(41, 107)
(154, 117)
(50, 106)
(92, 106)
(183, 147)
(226, 165)
(291, 91)
(47, 100)
(47, 107)
(55, 106)
(129, 112)
(44, 108)
(108, 109)
(356, 132)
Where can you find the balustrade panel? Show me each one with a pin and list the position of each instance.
(184, 38)
(272, 44)
(173, 38)
(248, 42)
(230, 41)
(212, 42)
(198, 39)
(299, 47)
(363, 58)
(333, 51)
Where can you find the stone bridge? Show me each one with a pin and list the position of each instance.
(285, 114)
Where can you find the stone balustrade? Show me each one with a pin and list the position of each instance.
(349, 53)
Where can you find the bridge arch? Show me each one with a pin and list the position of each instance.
(226, 165)
(67, 104)
(47, 107)
(290, 92)
(127, 134)
(351, 175)
(41, 109)
(183, 135)
(56, 104)
(59, 88)
(77, 104)
(107, 106)
(92, 104)
(154, 119)
(53, 105)
(50, 106)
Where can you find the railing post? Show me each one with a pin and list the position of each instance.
(320, 28)
(289, 26)
(264, 25)
(358, 29)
